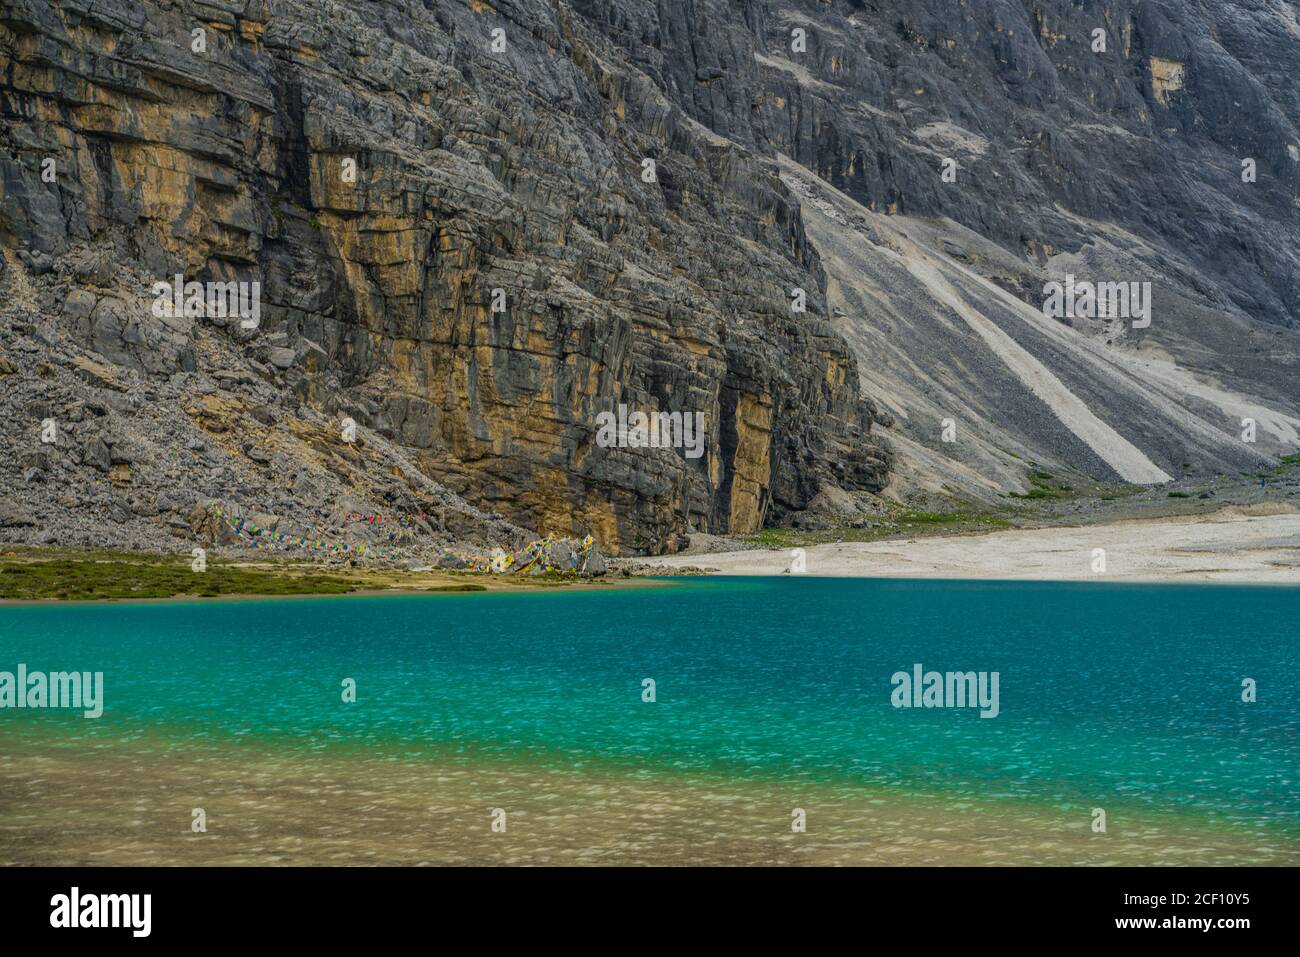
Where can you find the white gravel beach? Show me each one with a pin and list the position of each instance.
(1238, 545)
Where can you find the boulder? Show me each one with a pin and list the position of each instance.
(13, 516)
(96, 454)
(594, 566)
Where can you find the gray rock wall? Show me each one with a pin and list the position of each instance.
(518, 169)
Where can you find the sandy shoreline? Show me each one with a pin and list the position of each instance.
(1251, 544)
(1234, 545)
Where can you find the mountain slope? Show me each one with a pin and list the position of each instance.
(458, 247)
(1104, 141)
(946, 342)
(478, 226)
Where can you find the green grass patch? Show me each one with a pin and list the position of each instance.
(1041, 486)
(909, 522)
(948, 519)
(152, 577)
(777, 538)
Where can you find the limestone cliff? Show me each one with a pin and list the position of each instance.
(475, 226)
(479, 225)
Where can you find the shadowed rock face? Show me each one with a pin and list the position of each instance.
(1149, 134)
(1112, 141)
(499, 271)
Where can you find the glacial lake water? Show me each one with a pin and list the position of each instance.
(771, 694)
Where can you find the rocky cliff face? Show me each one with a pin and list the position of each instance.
(476, 227)
(1138, 113)
(953, 158)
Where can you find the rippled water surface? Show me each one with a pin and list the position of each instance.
(771, 694)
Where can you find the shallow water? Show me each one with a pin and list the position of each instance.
(771, 694)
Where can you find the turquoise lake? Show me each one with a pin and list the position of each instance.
(1118, 696)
